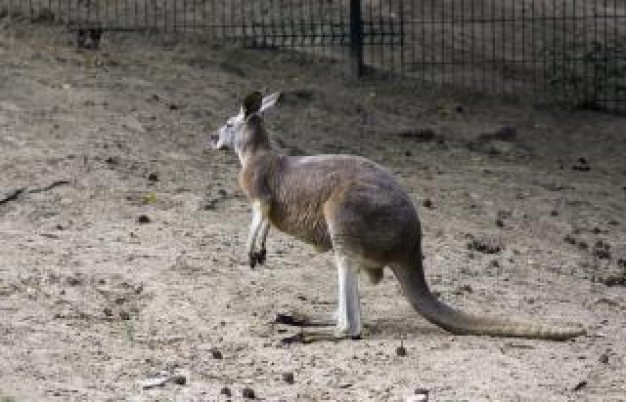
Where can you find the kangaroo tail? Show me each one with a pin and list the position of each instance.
(416, 290)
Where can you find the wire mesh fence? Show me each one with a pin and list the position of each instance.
(571, 51)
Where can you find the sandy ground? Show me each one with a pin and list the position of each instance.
(121, 236)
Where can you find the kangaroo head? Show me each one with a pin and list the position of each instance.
(243, 129)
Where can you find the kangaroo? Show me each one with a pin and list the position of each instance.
(354, 207)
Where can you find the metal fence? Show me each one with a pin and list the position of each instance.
(571, 51)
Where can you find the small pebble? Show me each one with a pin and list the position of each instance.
(179, 379)
(216, 354)
(248, 393)
(226, 391)
(73, 281)
(604, 358)
(420, 395)
(401, 351)
(143, 219)
(569, 239)
(288, 377)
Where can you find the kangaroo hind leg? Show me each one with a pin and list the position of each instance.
(347, 319)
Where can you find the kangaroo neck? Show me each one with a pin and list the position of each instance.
(251, 156)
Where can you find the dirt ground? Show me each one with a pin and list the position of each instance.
(121, 235)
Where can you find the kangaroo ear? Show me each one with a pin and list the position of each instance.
(252, 103)
(269, 101)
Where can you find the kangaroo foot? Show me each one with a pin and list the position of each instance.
(260, 256)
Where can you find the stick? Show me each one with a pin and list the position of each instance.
(12, 196)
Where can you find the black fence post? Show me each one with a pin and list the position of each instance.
(356, 37)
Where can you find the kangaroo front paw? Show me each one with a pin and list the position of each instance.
(260, 256)
(252, 259)
(257, 257)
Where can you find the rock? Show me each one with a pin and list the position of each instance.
(179, 379)
(601, 250)
(569, 239)
(226, 391)
(143, 219)
(74, 281)
(161, 381)
(604, 358)
(420, 395)
(216, 354)
(581, 165)
(248, 393)
(288, 377)
(615, 280)
(154, 382)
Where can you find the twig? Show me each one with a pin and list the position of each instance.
(49, 187)
(12, 196)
